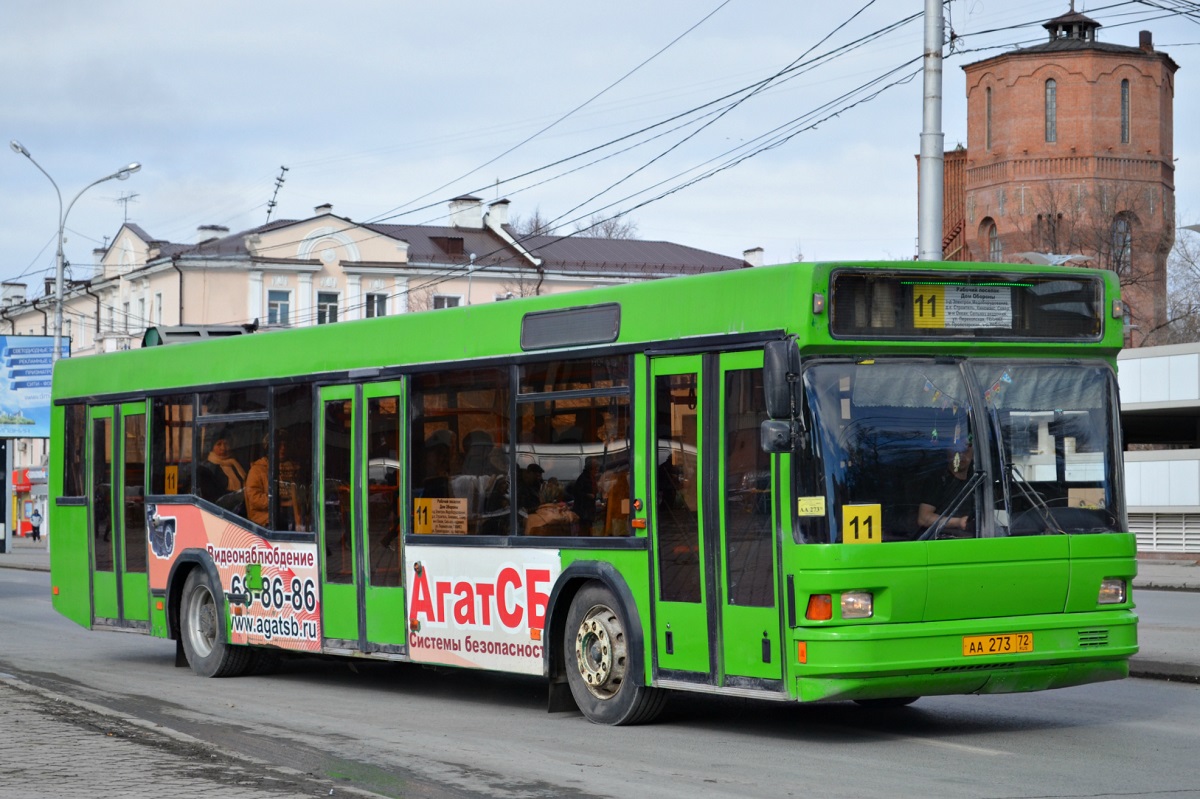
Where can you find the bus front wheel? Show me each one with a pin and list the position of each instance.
(202, 628)
(600, 671)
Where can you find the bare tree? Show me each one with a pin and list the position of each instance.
(1182, 324)
(536, 224)
(1111, 223)
(612, 227)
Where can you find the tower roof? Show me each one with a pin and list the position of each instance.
(1072, 25)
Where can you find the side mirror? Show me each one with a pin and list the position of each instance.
(775, 435)
(781, 371)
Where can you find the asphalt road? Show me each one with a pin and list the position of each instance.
(403, 730)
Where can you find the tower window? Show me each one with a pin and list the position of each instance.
(1125, 112)
(988, 101)
(991, 235)
(1051, 111)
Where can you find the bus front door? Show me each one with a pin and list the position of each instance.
(359, 520)
(116, 492)
(716, 606)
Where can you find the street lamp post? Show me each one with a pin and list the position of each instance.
(121, 174)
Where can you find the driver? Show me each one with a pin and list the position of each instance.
(943, 491)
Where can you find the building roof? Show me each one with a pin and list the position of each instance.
(568, 254)
(1074, 32)
(452, 245)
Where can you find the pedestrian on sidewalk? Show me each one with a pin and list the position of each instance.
(35, 524)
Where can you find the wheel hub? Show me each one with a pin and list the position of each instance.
(600, 652)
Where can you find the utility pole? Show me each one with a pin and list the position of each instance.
(930, 188)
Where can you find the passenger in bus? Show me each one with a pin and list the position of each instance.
(436, 480)
(552, 516)
(945, 489)
(220, 473)
(530, 488)
(258, 493)
(584, 493)
(479, 454)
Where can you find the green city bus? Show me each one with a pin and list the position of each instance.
(806, 482)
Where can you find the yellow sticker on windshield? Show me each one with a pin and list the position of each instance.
(810, 506)
(862, 524)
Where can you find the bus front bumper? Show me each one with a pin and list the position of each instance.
(929, 659)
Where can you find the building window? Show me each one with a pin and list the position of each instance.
(1122, 244)
(327, 307)
(66, 330)
(1125, 112)
(376, 305)
(988, 100)
(446, 301)
(141, 317)
(1051, 111)
(992, 236)
(125, 315)
(158, 308)
(278, 307)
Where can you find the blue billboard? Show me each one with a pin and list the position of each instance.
(26, 364)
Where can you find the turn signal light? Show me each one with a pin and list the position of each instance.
(820, 608)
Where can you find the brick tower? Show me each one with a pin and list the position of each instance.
(1070, 153)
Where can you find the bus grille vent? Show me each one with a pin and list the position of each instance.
(973, 667)
(1093, 638)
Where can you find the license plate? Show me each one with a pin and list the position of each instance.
(1003, 644)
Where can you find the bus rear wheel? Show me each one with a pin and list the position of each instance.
(202, 628)
(600, 672)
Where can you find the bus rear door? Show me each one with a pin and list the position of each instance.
(116, 494)
(359, 524)
(716, 598)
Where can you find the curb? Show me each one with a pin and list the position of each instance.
(1162, 670)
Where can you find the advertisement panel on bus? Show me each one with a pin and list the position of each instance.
(276, 582)
(479, 608)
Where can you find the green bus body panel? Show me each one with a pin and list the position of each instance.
(339, 611)
(634, 567)
(70, 563)
(104, 593)
(386, 619)
(135, 596)
(1095, 558)
(864, 662)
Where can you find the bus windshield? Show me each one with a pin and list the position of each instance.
(905, 450)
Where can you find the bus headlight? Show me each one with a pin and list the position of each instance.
(858, 605)
(1112, 591)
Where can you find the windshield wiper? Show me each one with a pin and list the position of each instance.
(1035, 499)
(944, 517)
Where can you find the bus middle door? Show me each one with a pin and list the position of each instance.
(359, 524)
(116, 495)
(717, 618)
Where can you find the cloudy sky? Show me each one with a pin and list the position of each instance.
(387, 109)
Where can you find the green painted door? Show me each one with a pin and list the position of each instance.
(677, 455)
(716, 613)
(116, 498)
(749, 596)
(359, 449)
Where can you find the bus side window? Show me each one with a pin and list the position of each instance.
(171, 457)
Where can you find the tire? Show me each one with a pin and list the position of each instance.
(202, 628)
(602, 675)
(891, 701)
